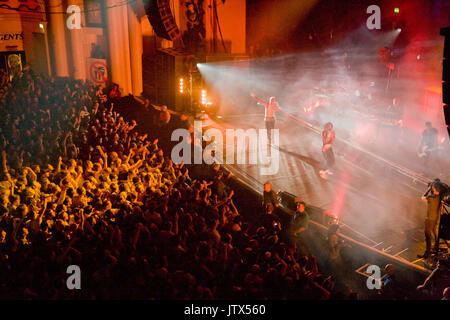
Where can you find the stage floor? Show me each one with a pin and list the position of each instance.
(371, 196)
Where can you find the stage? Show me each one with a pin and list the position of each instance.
(376, 199)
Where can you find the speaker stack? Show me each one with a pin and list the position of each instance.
(446, 77)
(161, 18)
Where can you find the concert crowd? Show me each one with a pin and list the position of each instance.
(81, 185)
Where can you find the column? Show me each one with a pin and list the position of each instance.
(177, 11)
(119, 46)
(136, 50)
(77, 47)
(57, 29)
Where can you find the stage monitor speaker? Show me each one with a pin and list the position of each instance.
(162, 72)
(160, 16)
(446, 77)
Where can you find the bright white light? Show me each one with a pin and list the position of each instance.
(41, 26)
(203, 96)
(181, 85)
(399, 29)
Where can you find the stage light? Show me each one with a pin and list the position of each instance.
(308, 109)
(203, 97)
(396, 10)
(41, 26)
(181, 85)
(399, 29)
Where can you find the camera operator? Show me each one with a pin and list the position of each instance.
(437, 281)
(336, 249)
(433, 197)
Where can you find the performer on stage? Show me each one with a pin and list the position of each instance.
(328, 137)
(394, 110)
(434, 200)
(269, 115)
(428, 142)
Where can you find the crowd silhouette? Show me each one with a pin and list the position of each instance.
(80, 185)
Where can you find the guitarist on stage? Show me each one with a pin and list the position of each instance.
(428, 142)
(328, 137)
